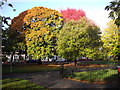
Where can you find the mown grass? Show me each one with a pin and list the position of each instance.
(28, 68)
(113, 63)
(18, 84)
(98, 75)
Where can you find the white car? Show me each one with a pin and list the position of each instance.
(62, 60)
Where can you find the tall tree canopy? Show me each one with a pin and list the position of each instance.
(37, 18)
(72, 14)
(9, 43)
(38, 27)
(114, 9)
(110, 39)
(77, 39)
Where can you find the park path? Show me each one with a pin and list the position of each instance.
(51, 79)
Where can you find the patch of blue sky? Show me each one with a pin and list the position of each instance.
(94, 9)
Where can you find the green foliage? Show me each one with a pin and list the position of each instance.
(40, 45)
(114, 9)
(116, 51)
(4, 58)
(11, 41)
(77, 39)
(110, 38)
(5, 19)
(38, 27)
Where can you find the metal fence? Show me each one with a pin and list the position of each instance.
(89, 70)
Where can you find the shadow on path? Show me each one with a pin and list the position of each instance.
(51, 79)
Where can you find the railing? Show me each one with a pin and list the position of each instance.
(92, 70)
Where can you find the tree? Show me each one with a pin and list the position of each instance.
(77, 39)
(5, 19)
(110, 39)
(39, 45)
(11, 43)
(7, 42)
(114, 8)
(72, 14)
(38, 27)
(37, 18)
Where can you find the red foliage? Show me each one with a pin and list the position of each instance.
(74, 14)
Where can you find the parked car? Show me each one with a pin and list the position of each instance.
(85, 59)
(62, 61)
(31, 61)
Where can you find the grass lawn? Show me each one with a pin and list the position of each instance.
(28, 68)
(19, 83)
(98, 75)
(113, 63)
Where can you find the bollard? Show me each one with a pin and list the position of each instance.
(61, 70)
(72, 72)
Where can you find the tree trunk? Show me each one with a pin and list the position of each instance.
(39, 61)
(75, 62)
(25, 54)
(48, 59)
(56, 57)
(118, 58)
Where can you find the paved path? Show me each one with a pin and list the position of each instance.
(51, 79)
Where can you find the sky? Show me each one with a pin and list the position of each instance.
(94, 9)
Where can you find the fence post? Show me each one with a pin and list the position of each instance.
(61, 70)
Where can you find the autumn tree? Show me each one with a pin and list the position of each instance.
(110, 39)
(72, 14)
(78, 39)
(35, 19)
(38, 26)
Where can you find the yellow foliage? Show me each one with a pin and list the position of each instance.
(24, 19)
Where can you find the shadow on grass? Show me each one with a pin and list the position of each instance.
(113, 81)
(107, 77)
(28, 68)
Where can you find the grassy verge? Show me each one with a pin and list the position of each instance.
(19, 83)
(28, 68)
(113, 63)
(99, 75)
